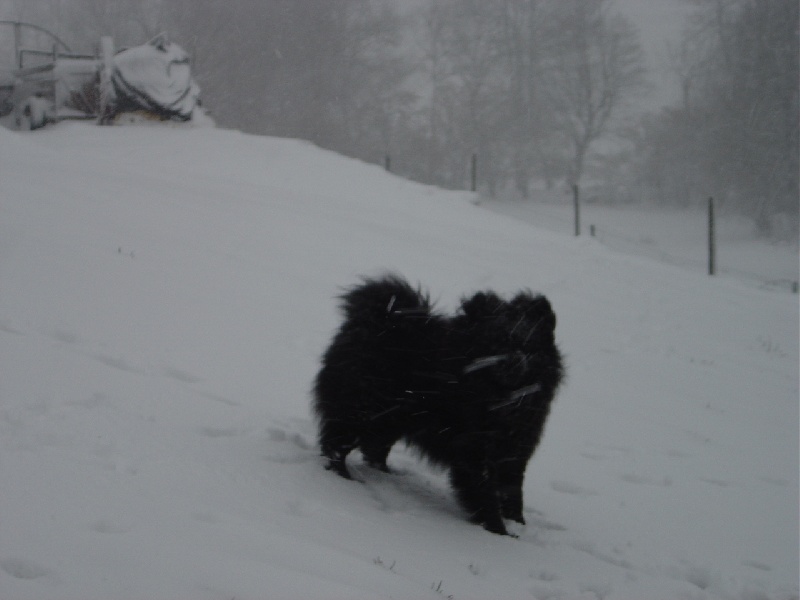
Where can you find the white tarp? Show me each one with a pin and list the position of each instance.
(155, 77)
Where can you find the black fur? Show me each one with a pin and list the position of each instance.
(471, 392)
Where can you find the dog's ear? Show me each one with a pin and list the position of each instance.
(482, 305)
(536, 309)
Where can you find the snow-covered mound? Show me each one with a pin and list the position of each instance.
(164, 299)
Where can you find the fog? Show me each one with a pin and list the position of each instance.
(644, 102)
(660, 23)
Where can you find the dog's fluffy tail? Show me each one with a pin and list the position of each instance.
(389, 296)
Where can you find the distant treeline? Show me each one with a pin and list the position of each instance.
(537, 89)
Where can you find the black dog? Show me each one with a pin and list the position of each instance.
(470, 392)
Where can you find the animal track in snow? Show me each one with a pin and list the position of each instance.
(645, 480)
(217, 398)
(590, 549)
(278, 434)
(222, 432)
(207, 518)
(594, 456)
(117, 363)
(547, 592)
(180, 375)
(97, 400)
(777, 481)
(699, 576)
(717, 482)
(6, 328)
(288, 446)
(21, 568)
(753, 564)
(602, 452)
(699, 438)
(539, 522)
(545, 575)
(65, 337)
(107, 527)
(565, 487)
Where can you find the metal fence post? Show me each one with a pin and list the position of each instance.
(712, 242)
(474, 172)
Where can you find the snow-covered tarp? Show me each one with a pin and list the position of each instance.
(155, 77)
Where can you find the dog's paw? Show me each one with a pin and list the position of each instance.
(338, 467)
(515, 529)
(379, 466)
(496, 527)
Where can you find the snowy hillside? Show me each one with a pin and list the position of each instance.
(165, 295)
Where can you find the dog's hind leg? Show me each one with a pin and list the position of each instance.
(376, 451)
(476, 490)
(378, 439)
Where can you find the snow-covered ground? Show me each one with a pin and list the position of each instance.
(165, 295)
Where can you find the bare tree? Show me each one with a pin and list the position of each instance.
(595, 64)
(757, 118)
(736, 137)
(530, 130)
(469, 78)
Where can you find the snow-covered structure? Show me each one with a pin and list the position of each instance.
(153, 80)
(155, 77)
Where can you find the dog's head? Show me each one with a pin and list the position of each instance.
(514, 340)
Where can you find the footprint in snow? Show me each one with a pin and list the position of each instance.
(699, 438)
(179, 375)
(673, 453)
(21, 568)
(645, 480)
(65, 337)
(594, 456)
(753, 564)
(699, 576)
(600, 452)
(6, 328)
(776, 481)
(547, 592)
(565, 487)
(538, 522)
(106, 527)
(615, 558)
(220, 399)
(222, 432)
(207, 518)
(117, 363)
(289, 447)
(717, 482)
(96, 400)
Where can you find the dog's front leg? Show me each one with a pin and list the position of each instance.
(476, 490)
(510, 476)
